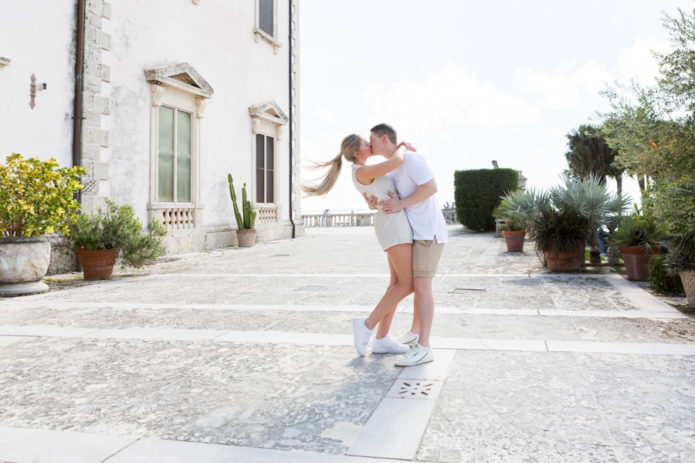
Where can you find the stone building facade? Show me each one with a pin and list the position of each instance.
(170, 96)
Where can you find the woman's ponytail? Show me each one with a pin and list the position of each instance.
(348, 147)
(325, 185)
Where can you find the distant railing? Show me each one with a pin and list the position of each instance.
(449, 216)
(356, 219)
(332, 219)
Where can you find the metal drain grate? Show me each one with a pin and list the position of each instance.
(415, 389)
(466, 290)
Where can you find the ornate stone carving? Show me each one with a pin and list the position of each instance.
(182, 76)
(269, 111)
(157, 93)
(201, 104)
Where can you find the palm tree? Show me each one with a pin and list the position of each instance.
(589, 154)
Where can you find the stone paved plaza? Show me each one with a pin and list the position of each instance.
(245, 355)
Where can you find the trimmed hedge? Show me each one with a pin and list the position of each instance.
(478, 192)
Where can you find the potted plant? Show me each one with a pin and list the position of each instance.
(36, 198)
(682, 260)
(519, 208)
(246, 234)
(639, 237)
(561, 235)
(98, 239)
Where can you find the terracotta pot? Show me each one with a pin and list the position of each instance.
(514, 240)
(636, 260)
(570, 261)
(688, 280)
(97, 264)
(23, 263)
(246, 238)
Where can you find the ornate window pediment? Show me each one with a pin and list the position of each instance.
(269, 111)
(182, 76)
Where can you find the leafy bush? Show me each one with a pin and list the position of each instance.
(36, 197)
(661, 279)
(639, 230)
(521, 206)
(562, 230)
(478, 192)
(682, 256)
(118, 228)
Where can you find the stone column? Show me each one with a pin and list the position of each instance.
(95, 138)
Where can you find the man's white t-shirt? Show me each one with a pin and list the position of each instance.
(426, 217)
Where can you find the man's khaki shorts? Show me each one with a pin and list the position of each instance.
(426, 254)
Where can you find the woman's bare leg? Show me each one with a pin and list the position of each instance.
(385, 322)
(401, 256)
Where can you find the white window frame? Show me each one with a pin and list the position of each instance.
(177, 100)
(266, 132)
(263, 35)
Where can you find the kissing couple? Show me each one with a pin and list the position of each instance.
(410, 228)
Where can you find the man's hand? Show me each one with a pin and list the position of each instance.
(392, 205)
(372, 201)
(408, 146)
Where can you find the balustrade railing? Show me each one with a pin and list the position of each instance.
(174, 217)
(356, 219)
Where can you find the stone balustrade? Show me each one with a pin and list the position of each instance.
(356, 219)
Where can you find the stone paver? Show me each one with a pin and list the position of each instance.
(245, 353)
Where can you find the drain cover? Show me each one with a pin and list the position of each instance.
(414, 389)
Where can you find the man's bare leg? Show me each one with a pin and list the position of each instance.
(425, 308)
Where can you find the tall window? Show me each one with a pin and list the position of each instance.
(265, 167)
(265, 16)
(174, 156)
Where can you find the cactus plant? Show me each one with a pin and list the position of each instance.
(249, 216)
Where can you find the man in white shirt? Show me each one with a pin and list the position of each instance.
(416, 188)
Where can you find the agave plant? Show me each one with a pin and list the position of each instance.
(590, 198)
(522, 206)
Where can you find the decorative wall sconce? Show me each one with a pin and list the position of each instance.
(33, 88)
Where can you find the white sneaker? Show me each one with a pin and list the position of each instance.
(362, 335)
(408, 338)
(388, 345)
(417, 355)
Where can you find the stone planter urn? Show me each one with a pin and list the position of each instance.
(636, 260)
(514, 240)
(688, 280)
(246, 238)
(23, 263)
(560, 261)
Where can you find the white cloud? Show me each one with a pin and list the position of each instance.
(563, 88)
(638, 62)
(446, 100)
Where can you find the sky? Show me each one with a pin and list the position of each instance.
(468, 82)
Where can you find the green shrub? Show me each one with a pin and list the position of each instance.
(118, 228)
(561, 230)
(478, 192)
(37, 197)
(639, 230)
(661, 279)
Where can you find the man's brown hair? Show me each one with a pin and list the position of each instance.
(384, 129)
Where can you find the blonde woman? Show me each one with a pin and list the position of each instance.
(393, 233)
